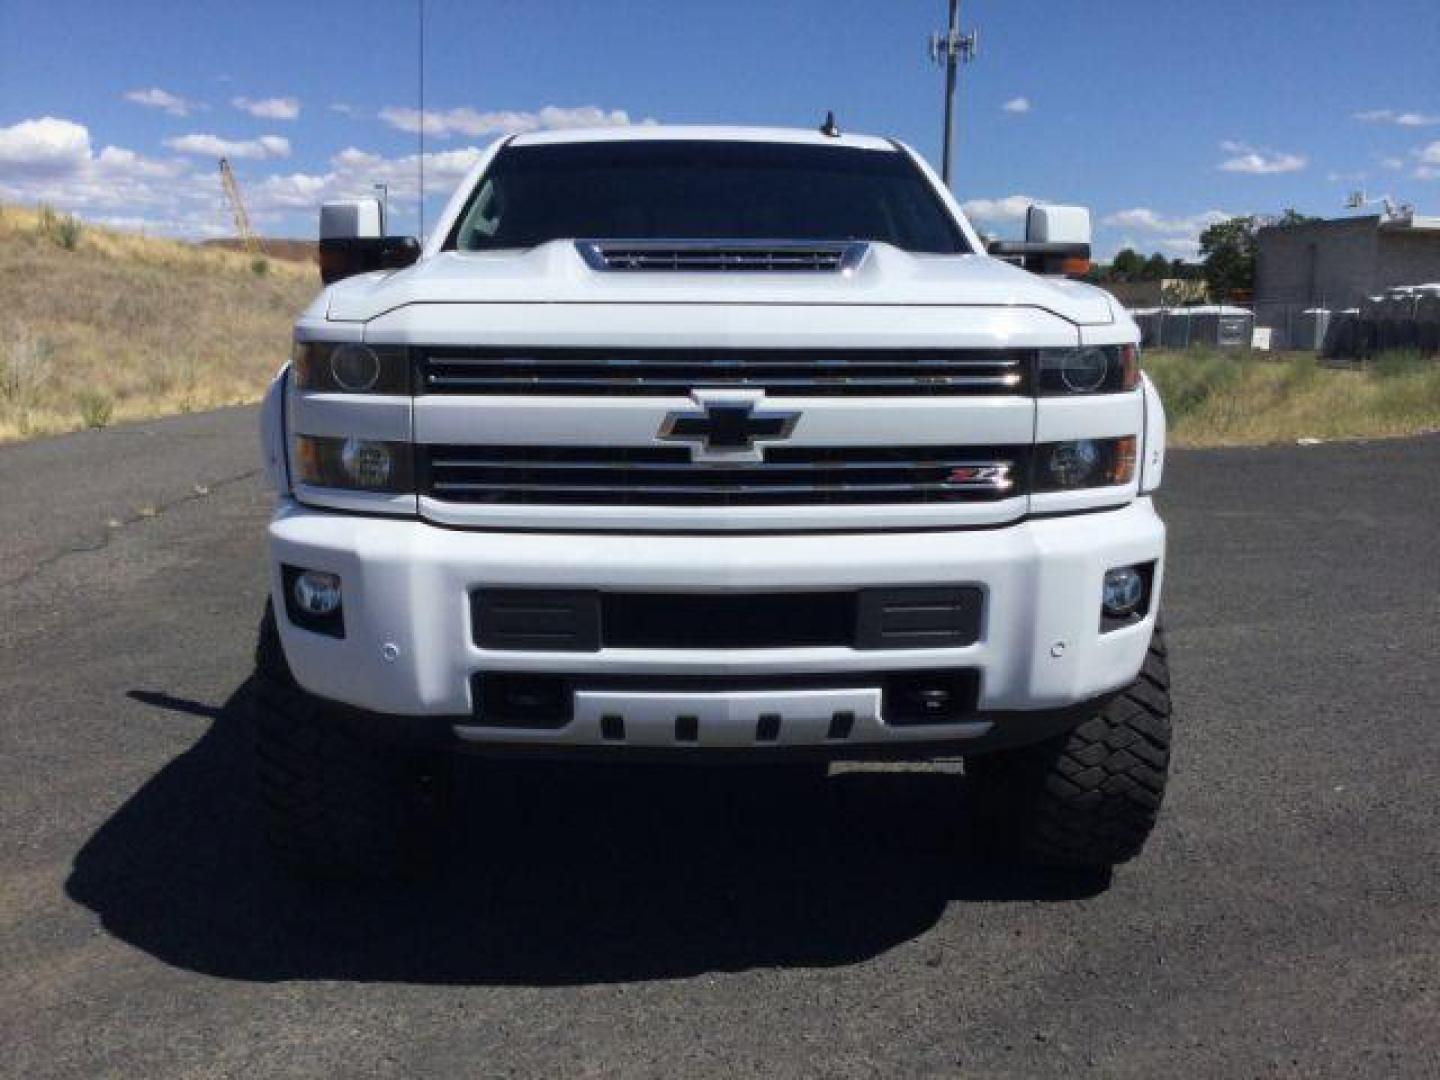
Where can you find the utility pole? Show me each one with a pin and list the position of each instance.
(952, 48)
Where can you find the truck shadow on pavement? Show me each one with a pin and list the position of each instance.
(556, 875)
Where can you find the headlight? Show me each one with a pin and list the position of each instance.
(1084, 463)
(1091, 369)
(356, 464)
(351, 367)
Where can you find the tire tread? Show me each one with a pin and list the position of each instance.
(1092, 796)
(335, 803)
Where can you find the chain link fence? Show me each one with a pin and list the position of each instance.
(1406, 318)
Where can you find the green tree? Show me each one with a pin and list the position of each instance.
(1157, 267)
(1227, 251)
(1127, 265)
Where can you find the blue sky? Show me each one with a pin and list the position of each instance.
(1160, 117)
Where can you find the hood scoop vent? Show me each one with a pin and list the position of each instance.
(723, 256)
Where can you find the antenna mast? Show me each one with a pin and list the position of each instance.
(421, 33)
(951, 49)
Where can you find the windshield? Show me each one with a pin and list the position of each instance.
(694, 190)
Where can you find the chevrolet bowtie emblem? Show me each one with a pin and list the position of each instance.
(728, 425)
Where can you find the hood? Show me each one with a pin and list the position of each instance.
(556, 273)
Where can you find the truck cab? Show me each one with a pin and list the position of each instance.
(705, 446)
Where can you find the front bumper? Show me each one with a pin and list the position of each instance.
(408, 649)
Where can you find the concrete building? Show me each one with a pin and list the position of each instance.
(1336, 264)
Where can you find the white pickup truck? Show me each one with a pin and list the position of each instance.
(710, 445)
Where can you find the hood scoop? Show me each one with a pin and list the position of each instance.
(723, 256)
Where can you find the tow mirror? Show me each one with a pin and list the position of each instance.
(1057, 241)
(353, 241)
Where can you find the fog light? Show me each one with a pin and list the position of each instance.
(368, 464)
(1123, 591)
(316, 593)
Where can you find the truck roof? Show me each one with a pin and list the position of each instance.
(701, 133)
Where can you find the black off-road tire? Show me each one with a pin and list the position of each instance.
(1090, 797)
(338, 802)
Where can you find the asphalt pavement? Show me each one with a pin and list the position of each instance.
(1283, 922)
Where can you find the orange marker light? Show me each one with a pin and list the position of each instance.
(1122, 461)
(1129, 367)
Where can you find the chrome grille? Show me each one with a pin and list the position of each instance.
(675, 372)
(723, 257)
(789, 475)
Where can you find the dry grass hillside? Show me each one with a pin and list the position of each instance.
(100, 326)
(301, 251)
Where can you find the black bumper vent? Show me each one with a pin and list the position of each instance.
(556, 620)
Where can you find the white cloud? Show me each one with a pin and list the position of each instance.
(1401, 119)
(354, 158)
(1257, 162)
(1428, 158)
(52, 161)
(1177, 235)
(1181, 246)
(43, 147)
(994, 211)
(467, 121)
(156, 98)
(1148, 220)
(1017, 105)
(353, 174)
(202, 145)
(1394, 164)
(278, 108)
(343, 108)
(117, 159)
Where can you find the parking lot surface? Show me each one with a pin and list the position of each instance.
(626, 922)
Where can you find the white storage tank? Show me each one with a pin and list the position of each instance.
(1224, 327)
(1148, 319)
(1175, 328)
(1427, 317)
(1345, 335)
(1308, 329)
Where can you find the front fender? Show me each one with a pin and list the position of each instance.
(1152, 464)
(272, 433)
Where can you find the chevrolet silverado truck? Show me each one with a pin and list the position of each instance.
(710, 445)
